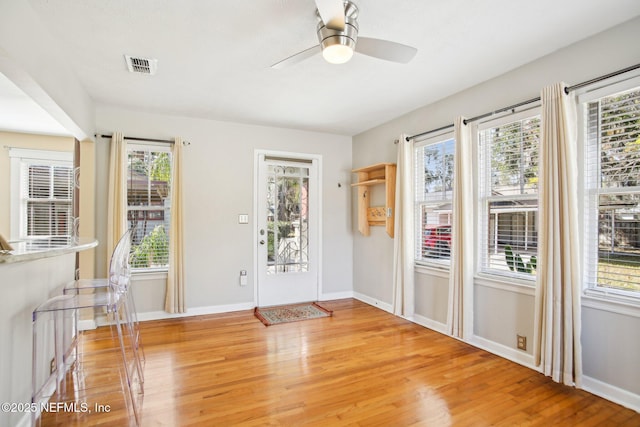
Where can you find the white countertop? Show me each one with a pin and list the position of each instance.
(29, 250)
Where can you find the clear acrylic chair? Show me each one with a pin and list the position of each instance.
(118, 282)
(69, 369)
(129, 312)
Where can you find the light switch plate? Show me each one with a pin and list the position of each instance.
(243, 277)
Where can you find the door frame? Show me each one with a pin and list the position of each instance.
(293, 156)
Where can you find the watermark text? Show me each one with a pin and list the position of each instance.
(72, 407)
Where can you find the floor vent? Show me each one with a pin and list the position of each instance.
(141, 65)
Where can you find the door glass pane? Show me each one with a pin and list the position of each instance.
(287, 219)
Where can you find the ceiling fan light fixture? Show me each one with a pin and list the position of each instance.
(338, 44)
(337, 49)
(338, 36)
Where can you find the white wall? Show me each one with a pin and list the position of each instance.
(501, 311)
(218, 182)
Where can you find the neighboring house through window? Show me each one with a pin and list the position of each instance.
(148, 204)
(42, 192)
(508, 211)
(434, 162)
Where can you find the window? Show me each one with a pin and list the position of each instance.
(43, 192)
(433, 203)
(508, 165)
(148, 204)
(612, 183)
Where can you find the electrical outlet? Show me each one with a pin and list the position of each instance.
(522, 342)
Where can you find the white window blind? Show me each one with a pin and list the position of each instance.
(148, 205)
(47, 200)
(508, 166)
(42, 194)
(434, 164)
(612, 173)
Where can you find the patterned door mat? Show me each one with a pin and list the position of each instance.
(290, 313)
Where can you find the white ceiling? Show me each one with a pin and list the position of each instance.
(214, 56)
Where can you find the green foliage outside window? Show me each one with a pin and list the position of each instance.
(515, 262)
(161, 168)
(153, 250)
(514, 157)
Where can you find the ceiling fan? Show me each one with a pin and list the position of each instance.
(338, 38)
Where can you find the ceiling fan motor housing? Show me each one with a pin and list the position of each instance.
(345, 37)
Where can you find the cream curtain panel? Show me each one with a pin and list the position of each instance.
(461, 276)
(557, 347)
(403, 280)
(174, 300)
(117, 197)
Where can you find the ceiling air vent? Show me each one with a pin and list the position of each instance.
(141, 65)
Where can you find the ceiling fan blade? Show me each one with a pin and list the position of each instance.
(298, 57)
(332, 13)
(385, 49)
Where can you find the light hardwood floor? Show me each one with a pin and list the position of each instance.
(362, 367)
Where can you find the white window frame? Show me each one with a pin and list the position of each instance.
(596, 295)
(484, 271)
(160, 148)
(20, 158)
(439, 263)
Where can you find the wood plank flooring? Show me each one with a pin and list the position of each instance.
(361, 367)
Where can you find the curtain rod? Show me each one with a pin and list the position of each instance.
(567, 89)
(133, 138)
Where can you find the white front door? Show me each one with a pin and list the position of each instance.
(287, 234)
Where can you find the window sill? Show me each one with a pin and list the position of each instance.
(612, 300)
(150, 274)
(511, 284)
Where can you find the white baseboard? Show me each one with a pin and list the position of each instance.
(374, 302)
(196, 311)
(336, 295)
(612, 393)
(199, 311)
(86, 325)
(517, 356)
(216, 309)
(430, 324)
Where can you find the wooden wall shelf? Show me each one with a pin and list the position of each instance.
(383, 174)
